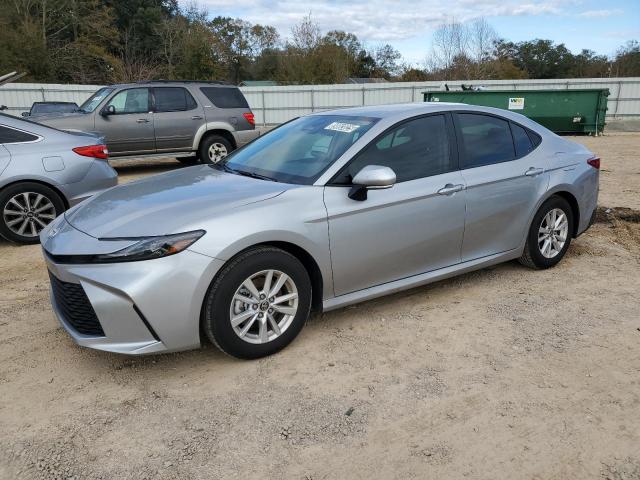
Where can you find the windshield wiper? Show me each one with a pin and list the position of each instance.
(226, 168)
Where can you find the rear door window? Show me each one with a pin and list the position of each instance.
(484, 140)
(173, 99)
(10, 135)
(225, 97)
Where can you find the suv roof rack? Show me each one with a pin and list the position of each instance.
(212, 82)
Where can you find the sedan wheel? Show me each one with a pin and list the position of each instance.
(27, 209)
(258, 303)
(550, 234)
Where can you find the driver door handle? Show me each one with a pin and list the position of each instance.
(449, 188)
(142, 120)
(532, 172)
(196, 117)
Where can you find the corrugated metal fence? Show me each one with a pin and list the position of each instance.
(274, 105)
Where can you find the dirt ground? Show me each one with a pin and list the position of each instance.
(504, 373)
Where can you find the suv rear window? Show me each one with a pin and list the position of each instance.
(225, 97)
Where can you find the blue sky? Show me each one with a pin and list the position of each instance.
(408, 25)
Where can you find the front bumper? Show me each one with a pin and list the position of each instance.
(142, 307)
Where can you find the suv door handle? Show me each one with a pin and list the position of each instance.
(449, 188)
(532, 172)
(196, 117)
(142, 120)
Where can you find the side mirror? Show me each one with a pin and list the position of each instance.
(25, 114)
(108, 110)
(371, 177)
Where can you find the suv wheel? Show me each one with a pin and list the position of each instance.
(214, 148)
(258, 303)
(549, 235)
(26, 209)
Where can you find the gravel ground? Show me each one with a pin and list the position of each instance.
(501, 373)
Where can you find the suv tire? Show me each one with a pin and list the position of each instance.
(214, 148)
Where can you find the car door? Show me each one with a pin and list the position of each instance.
(177, 117)
(129, 129)
(504, 179)
(411, 228)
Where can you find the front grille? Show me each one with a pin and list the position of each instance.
(75, 307)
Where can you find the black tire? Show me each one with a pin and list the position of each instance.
(191, 160)
(216, 315)
(29, 188)
(207, 142)
(532, 256)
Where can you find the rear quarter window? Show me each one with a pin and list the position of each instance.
(10, 135)
(225, 97)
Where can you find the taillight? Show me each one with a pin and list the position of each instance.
(96, 151)
(250, 117)
(594, 162)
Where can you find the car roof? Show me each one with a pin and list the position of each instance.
(155, 83)
(400, 111)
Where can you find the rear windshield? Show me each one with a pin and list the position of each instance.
(225, 97)
(53, 108)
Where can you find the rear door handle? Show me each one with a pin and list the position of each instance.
(196, 117)
(142, 120)
(449, 188)
(532, 172)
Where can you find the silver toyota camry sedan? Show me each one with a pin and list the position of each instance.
(325, 211)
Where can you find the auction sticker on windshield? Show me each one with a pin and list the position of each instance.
(342, 127)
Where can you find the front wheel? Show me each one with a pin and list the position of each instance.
(549, 235)
(258, 303)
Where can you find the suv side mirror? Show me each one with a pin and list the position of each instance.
(108, 110)
(371, 177)
(25, 114)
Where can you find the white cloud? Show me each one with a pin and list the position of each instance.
(600, 13)
(378, 20)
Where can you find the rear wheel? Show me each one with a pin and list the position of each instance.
(549, 235)
(214, 148)
(258, 303)
(26, 209)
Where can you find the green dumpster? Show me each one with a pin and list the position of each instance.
(562, 111)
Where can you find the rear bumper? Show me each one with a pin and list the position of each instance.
(242, 137)
(100, 177)
(142, 307)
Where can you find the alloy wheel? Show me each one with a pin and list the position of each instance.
(27, 213)
(264, 306)
(552, 234)
(217, 151)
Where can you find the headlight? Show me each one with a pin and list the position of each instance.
(146, 248)
(150, 248)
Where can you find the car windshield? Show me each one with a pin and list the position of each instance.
(94, 100)
(301, 150)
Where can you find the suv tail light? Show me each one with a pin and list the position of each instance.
(96, 151)
(594, 162)
(250, 117)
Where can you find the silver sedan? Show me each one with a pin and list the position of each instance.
(325, 211)
(43, 171)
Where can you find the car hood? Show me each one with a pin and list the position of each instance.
(43, 117)
(168, 203)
